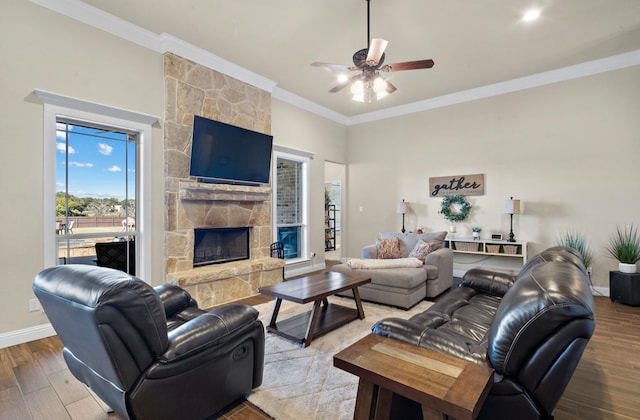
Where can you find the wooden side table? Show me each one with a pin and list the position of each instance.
(444, 385)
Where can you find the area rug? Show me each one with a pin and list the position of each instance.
(301, 383)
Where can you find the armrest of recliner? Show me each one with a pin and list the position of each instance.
(399, 329)
(369, 251)
(174, 299)
(428, 336)
(208, 330)
(491, 281)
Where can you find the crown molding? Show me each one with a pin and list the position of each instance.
(165, 42)
(161, 43)
(99, 19)
(307, 105)
(615, 62)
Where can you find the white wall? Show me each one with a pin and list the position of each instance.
(43, 50)
(298, 129)
(569, 151)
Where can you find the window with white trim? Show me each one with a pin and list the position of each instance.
(291, 203)
(127, 132)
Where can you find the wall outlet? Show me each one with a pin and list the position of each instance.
(590, 271)
(313, 254)
(34, 305)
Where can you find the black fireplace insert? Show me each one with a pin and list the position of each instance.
(220, 245)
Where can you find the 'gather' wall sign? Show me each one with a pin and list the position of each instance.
(456, 185)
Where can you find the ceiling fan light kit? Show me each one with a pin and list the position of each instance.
(369, 85)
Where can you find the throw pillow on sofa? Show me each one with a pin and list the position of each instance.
(409, 240)
(388, 248)
(421, 250)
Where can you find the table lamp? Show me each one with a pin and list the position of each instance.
(402, 209)
(511, 207)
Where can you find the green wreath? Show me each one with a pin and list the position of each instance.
(461, 205)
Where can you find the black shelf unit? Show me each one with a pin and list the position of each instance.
(330, 227)
(624, 288)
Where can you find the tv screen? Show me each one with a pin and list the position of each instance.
(225, 153)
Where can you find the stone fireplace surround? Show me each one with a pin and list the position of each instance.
(192, 89)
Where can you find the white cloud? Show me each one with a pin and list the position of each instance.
(62, 148)
(114, 168)
(81, 165)
(105, 149)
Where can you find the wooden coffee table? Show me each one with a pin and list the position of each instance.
(445, 386)
(323, 316)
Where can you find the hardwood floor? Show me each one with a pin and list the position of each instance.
(36, 384)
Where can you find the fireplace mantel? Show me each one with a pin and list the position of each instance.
(196, 191)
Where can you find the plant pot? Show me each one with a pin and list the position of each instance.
(475, 235)
(627, 268)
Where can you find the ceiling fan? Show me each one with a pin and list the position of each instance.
(368, 84)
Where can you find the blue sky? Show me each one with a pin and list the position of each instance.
(97, 162)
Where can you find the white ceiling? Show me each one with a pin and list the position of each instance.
(473, 43)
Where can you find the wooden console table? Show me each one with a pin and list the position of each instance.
(444, 385)
(469, 252)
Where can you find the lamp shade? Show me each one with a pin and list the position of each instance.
(511, 206)
(402, 207)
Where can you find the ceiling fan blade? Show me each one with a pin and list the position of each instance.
(342, 85)
(410, 65)
(390, 87)
(376, 49)
(331, 66)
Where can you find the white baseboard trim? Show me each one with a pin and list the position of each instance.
(13, 338)
(304, 270)
(600, 291)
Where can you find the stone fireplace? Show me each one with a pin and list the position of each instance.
(192, 89)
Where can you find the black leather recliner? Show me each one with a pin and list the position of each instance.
(531, 328)
(150, 353)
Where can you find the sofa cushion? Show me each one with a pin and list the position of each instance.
(374, 263)
(421, 250)
(404, 278)
(409, 240)
(388, 248)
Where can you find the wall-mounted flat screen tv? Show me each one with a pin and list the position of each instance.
(224, 153)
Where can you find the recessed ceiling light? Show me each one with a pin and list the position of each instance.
(531, 15)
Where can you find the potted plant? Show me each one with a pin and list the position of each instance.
(578, 242)
(475, 232)
(624, 246)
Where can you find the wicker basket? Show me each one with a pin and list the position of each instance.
(467, 246)
(493, 249)
(510, 249)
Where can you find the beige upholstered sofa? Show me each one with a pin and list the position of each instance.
(404, 285)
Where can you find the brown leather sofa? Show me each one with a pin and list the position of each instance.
(531, 328)
(151, 353)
